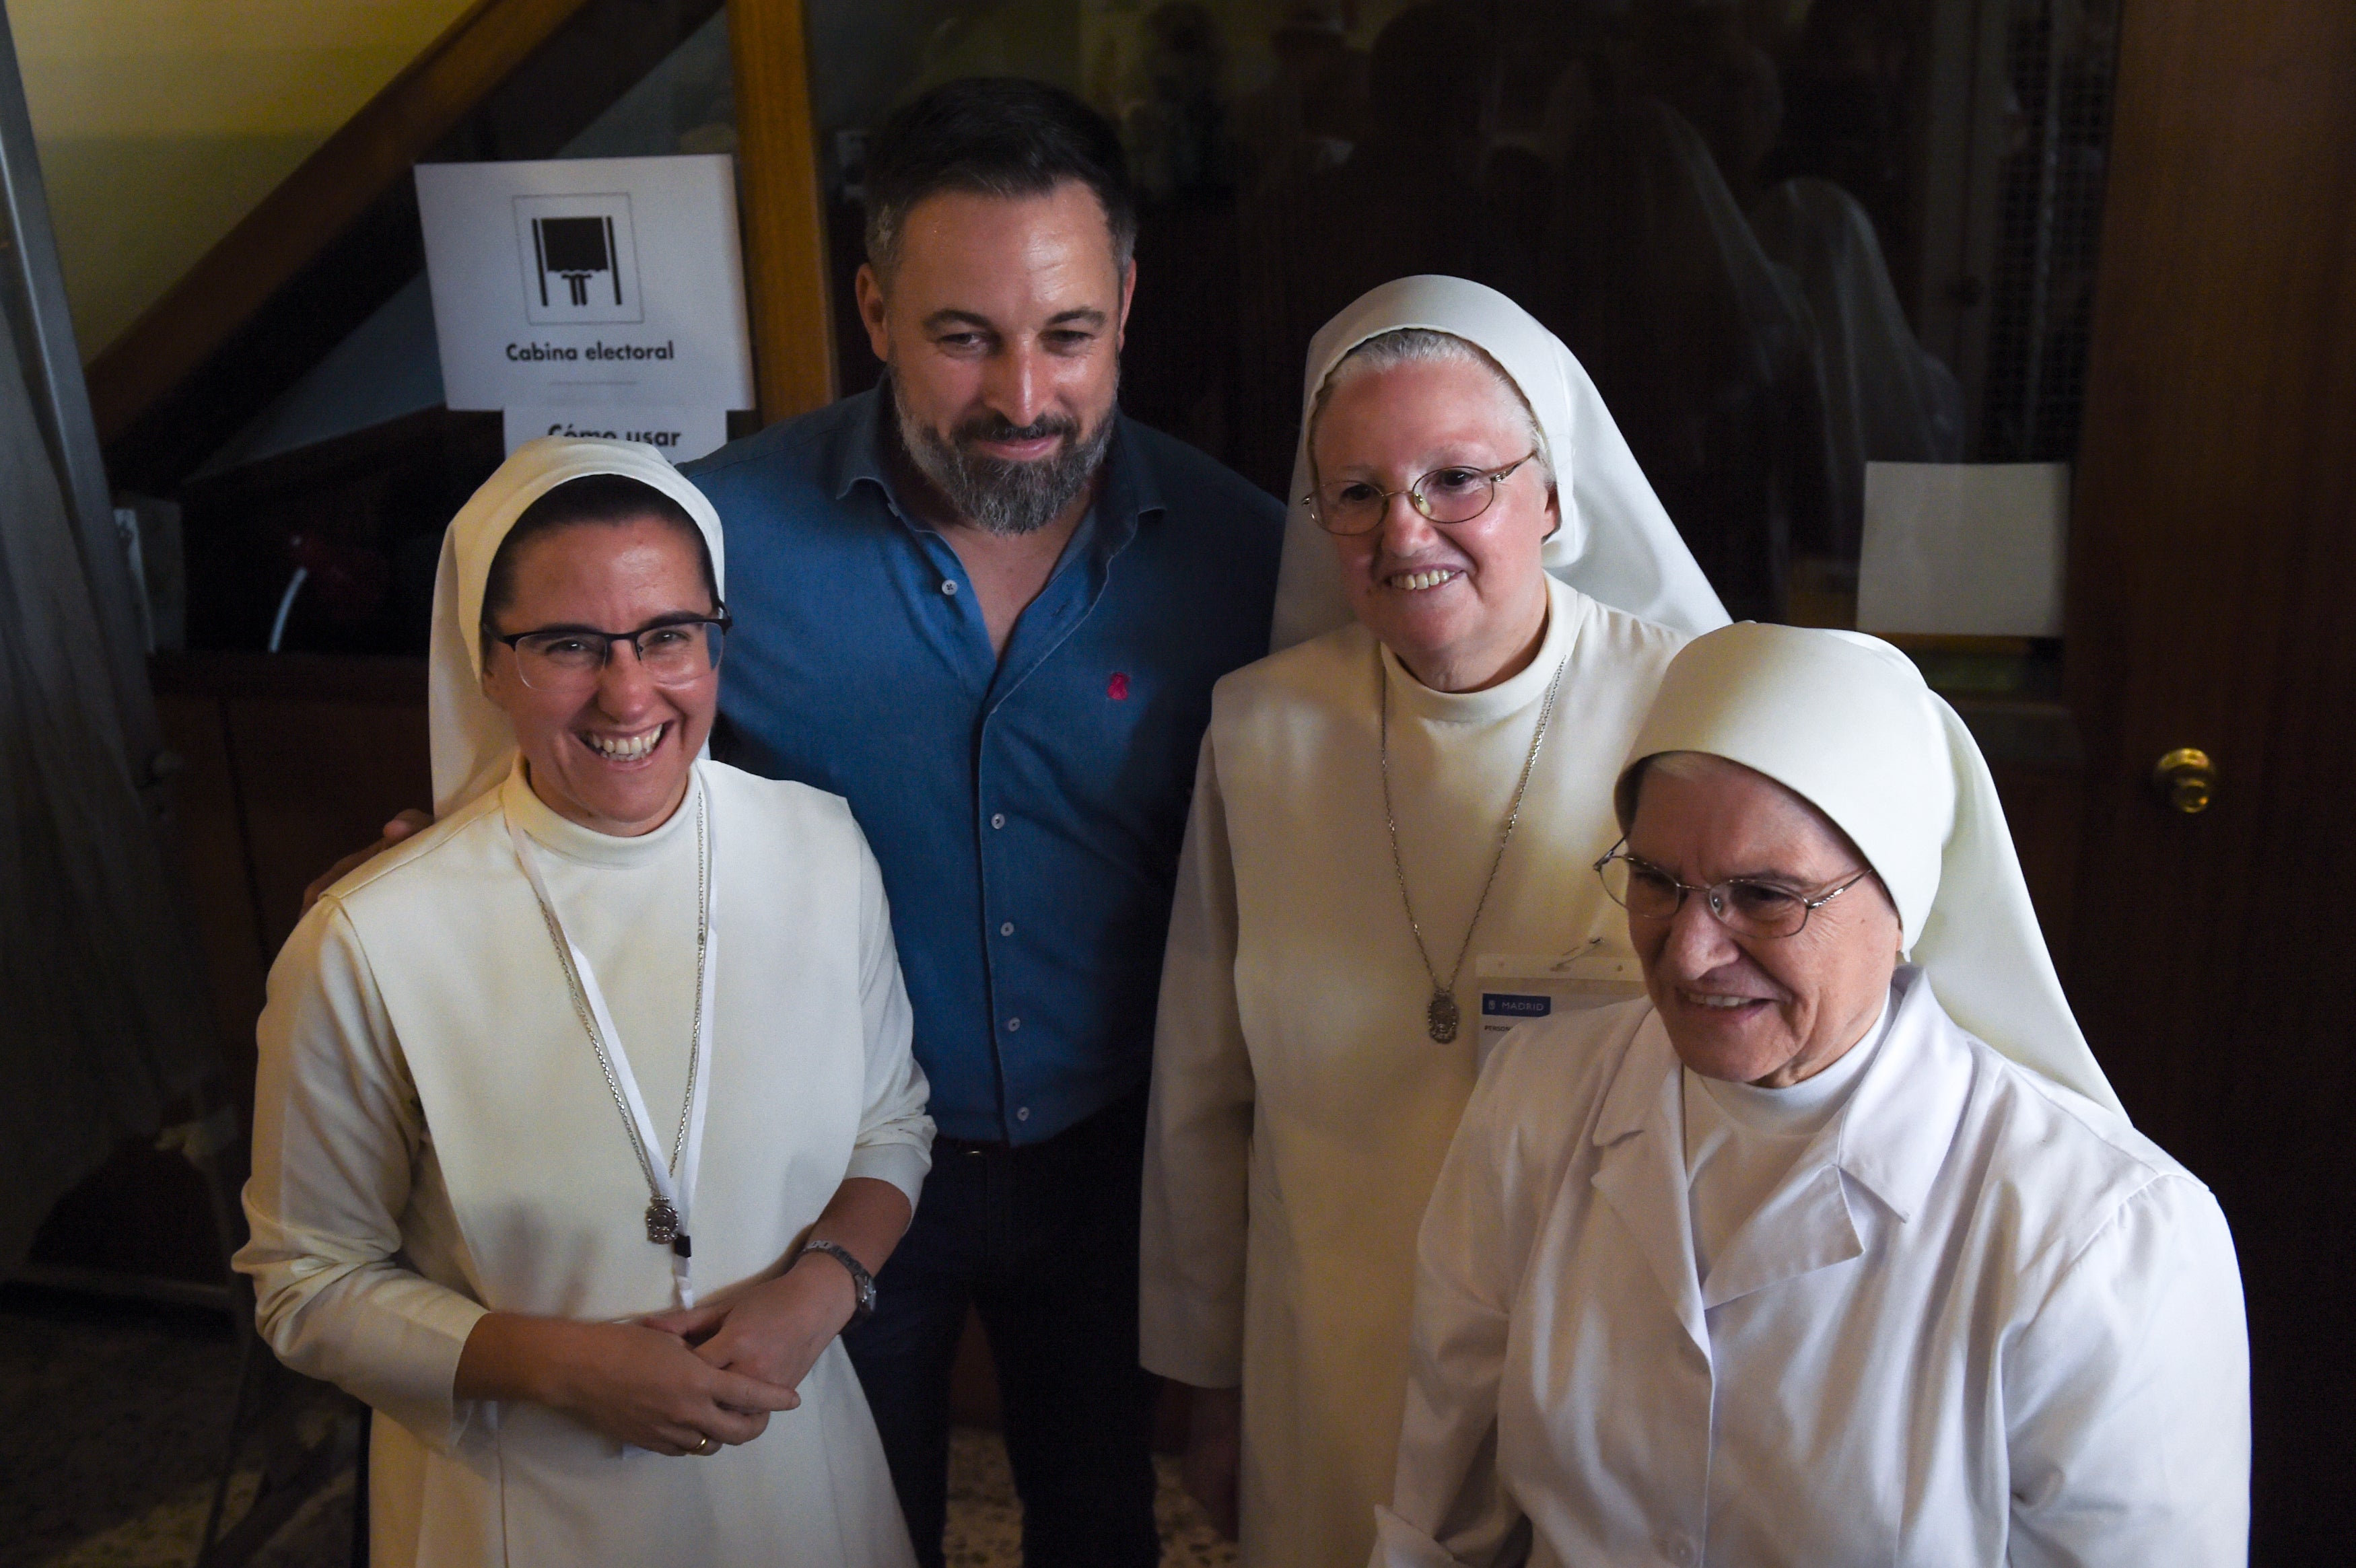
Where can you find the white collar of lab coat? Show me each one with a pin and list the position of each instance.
(1893, 1135)
(1889, 1139)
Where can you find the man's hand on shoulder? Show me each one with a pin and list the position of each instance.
(407, 825)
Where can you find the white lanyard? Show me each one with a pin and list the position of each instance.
(676, 1189)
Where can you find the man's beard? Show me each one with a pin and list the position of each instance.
(995, 495)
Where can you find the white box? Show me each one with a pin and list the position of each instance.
(1964, 548)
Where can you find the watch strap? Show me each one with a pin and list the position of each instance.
(863, 1284)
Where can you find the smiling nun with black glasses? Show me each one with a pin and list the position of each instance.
(586, 1115)
(1837, 1249)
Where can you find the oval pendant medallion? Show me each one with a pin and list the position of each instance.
(662, 1222)
(1440, 1016)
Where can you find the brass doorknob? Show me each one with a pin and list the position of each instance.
(2185, 778)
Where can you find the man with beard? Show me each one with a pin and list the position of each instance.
(988, 610)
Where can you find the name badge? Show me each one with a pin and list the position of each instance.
(1518, 987)
(1506, 1004)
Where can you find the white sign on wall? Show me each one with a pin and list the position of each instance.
(678, 435)
(606, 294)
(1964, 548)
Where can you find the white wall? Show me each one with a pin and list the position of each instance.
(162, 122)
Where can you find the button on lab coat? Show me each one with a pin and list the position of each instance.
(1982, 1320)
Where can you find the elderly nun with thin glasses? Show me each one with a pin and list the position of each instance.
(1384, 814)
(586, 1115)
(1836, 1247)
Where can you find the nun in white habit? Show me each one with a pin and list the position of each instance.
(1386, 820)
(1837, 1249)
(622, 1034)
(1887, 399)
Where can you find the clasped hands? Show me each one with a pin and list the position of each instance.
(771, 1333)
(680, 1382)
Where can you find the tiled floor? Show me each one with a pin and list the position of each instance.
(112, 1419)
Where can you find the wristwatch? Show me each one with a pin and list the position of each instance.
(863, 1284)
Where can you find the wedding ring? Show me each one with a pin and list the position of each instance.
(705, 1450)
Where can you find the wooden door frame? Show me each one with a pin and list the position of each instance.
(784, 217)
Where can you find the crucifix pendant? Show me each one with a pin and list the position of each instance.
(663, 1219)
(1439, 1016)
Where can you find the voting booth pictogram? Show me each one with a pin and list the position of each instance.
(580, 258)
(591, 295)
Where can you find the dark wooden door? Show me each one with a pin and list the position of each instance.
(2210, 606)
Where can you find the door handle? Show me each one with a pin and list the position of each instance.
(2186, 779)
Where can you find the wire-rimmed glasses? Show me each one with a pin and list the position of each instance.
(1456, 493)
(1749, 906)
(675, 650)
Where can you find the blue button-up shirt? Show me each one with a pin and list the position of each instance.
(1026, 809)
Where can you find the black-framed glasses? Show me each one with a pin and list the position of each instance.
(1456, 493)
(675, 650)
(1746, 905)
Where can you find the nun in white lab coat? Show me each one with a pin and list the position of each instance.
(1819, 1255)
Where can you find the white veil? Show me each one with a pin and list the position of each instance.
(1616, 544)
(473, 744)
(1845, 721)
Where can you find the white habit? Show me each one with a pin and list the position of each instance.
(434, 1138)
(1299, 1108)
(1979, 1320)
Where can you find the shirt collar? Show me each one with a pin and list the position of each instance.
(859, 451)
(1127, 496)
(1636, 1092)
(1896, 1129)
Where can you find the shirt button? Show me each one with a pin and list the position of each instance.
(1006, 930)
(1013, 1024)
(1024, 1115)
(998, 820)
(1678, 1549)
(948, 586)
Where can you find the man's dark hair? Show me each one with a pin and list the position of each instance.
(994, 136)
(609, 500)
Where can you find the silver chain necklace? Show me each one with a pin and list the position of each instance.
(1441, 1015)
(662, 1218)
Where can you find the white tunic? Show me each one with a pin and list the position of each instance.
(1301, 1110)
(1981, 1321)
(434, 1138)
